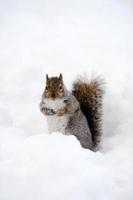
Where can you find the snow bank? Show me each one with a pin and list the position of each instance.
(71, 37)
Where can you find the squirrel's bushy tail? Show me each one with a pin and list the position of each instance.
(90, 95)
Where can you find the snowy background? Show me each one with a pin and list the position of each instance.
(72, 37)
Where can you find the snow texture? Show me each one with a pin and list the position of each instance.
(72, 37)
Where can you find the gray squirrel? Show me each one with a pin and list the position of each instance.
(77, 113)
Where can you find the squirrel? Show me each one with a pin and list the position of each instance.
(77, 113)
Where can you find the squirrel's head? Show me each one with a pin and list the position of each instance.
(54, 87)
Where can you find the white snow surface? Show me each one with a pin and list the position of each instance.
(72, 37)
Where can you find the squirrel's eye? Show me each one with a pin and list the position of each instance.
(61, 88)
(46, 88)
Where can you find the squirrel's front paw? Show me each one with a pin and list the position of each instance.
(45, 110)
(41, 106)
(51, 112)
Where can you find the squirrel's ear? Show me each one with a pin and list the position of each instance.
(47, 78)
(61, 77)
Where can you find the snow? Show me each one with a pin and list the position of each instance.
(72, 37)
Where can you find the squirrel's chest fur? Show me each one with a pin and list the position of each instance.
(56, 123)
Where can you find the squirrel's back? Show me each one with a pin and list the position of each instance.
(90, 96)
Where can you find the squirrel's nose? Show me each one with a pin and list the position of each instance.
(53, 95)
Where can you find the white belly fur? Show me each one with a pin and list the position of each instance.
(56, 123)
